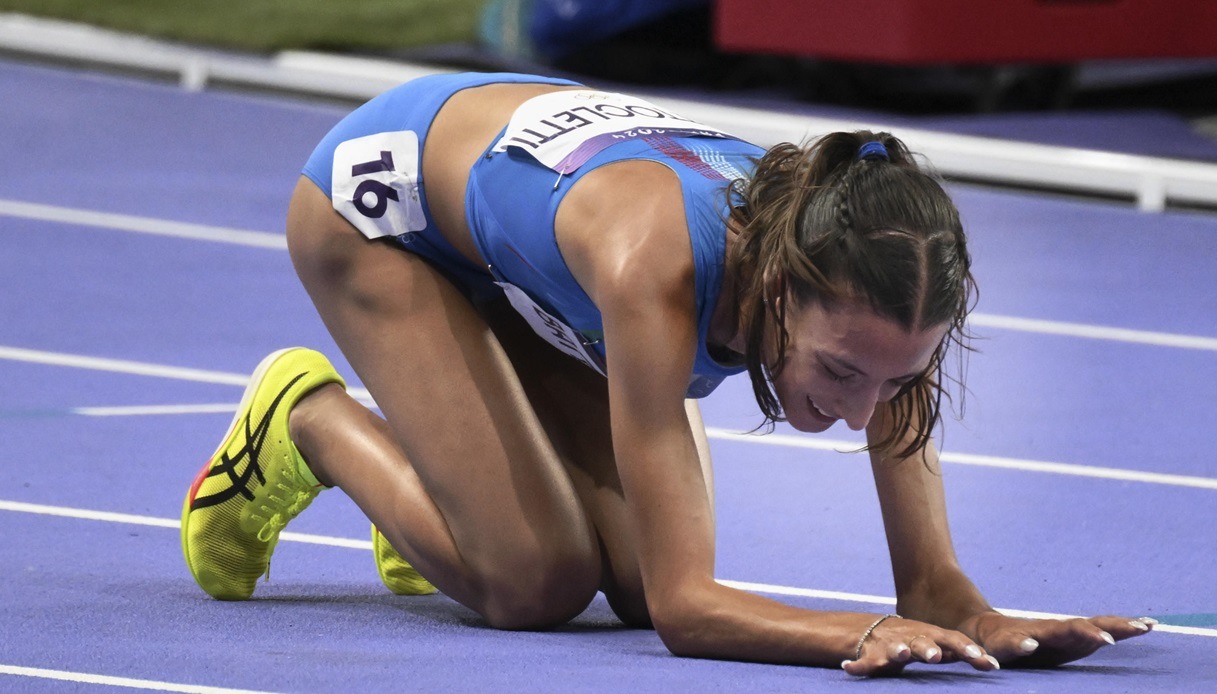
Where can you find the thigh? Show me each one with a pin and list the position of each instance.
(448, 392)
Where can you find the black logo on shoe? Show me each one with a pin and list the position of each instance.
(250, 451)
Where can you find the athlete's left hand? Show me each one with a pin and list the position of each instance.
(1049, 642)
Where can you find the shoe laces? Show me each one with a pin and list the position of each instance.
(278, 510)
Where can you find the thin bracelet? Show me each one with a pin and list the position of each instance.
(869, 630)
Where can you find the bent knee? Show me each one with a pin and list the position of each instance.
(540, 597)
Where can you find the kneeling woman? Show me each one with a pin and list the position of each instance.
(450, 228)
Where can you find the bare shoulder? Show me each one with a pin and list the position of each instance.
(622, 231)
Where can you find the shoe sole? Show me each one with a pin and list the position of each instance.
(246, 398)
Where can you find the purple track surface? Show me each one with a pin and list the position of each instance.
(111, 597)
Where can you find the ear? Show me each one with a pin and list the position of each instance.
(775, 290)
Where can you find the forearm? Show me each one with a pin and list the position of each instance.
(693, 614)
(714, 621)
(930, 585)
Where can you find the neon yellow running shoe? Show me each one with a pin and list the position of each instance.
(253, 485)
(395, 571)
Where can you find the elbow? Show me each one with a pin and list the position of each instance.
(684, 623)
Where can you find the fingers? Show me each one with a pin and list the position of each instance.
(891, 653)
(1056, 641)
(889, 663)
(1053, 642)
(889, 660)
(958, 647)
(925, 649)
(1122, 628)
(1026, 643)
(1012, 645)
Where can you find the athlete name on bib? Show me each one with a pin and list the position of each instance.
(550, 329)
(562, 130)
(375, 184)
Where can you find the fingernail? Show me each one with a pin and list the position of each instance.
(1148, 620)
(1108, 638)
(1029, 645)
(972, 652)
(1138, 625)
(991, 659)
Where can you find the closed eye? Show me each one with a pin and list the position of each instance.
(834, 376)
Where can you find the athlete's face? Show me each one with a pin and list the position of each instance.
(842, 361)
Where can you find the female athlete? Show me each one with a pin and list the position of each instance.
(450, 228)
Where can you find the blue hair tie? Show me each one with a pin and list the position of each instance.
(874, 148)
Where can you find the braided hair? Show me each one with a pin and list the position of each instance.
(853, 217)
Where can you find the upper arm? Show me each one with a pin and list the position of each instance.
(631, 254)
(651, 343)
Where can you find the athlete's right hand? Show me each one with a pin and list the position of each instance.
(896, 643)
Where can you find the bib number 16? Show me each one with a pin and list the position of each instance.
(375, 184)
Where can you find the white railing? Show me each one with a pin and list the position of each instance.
(1152, 182)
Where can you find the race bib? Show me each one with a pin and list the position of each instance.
(552, 330)
(376, 184)
(564, 129)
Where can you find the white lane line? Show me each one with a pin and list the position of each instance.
(146, 410)
(89, 678)
(1109, 473)
(1095, 332)
(143, 225)
(121, 366)
(786, 440)
(153, 521)
(139, 368)
(361, 394)
(262, 239)
(85, 514)
(891, 602)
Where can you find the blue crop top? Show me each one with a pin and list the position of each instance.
(516, 186)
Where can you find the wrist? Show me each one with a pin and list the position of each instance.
(947, 599)
(974, 625)
(867, 633)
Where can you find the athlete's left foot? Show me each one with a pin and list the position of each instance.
(255, 482)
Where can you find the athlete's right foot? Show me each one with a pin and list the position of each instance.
(252, 485)
(395, 571)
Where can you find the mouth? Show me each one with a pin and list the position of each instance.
(819, 414)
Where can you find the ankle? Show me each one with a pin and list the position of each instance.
(303, 425)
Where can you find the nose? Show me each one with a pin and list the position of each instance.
(858, 412)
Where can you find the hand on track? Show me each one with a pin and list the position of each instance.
(896, 643)
(1050, 642)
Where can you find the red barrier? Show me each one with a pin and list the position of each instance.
(968, 31)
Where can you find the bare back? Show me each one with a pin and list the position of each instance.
(462, 130)
(466, 126)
